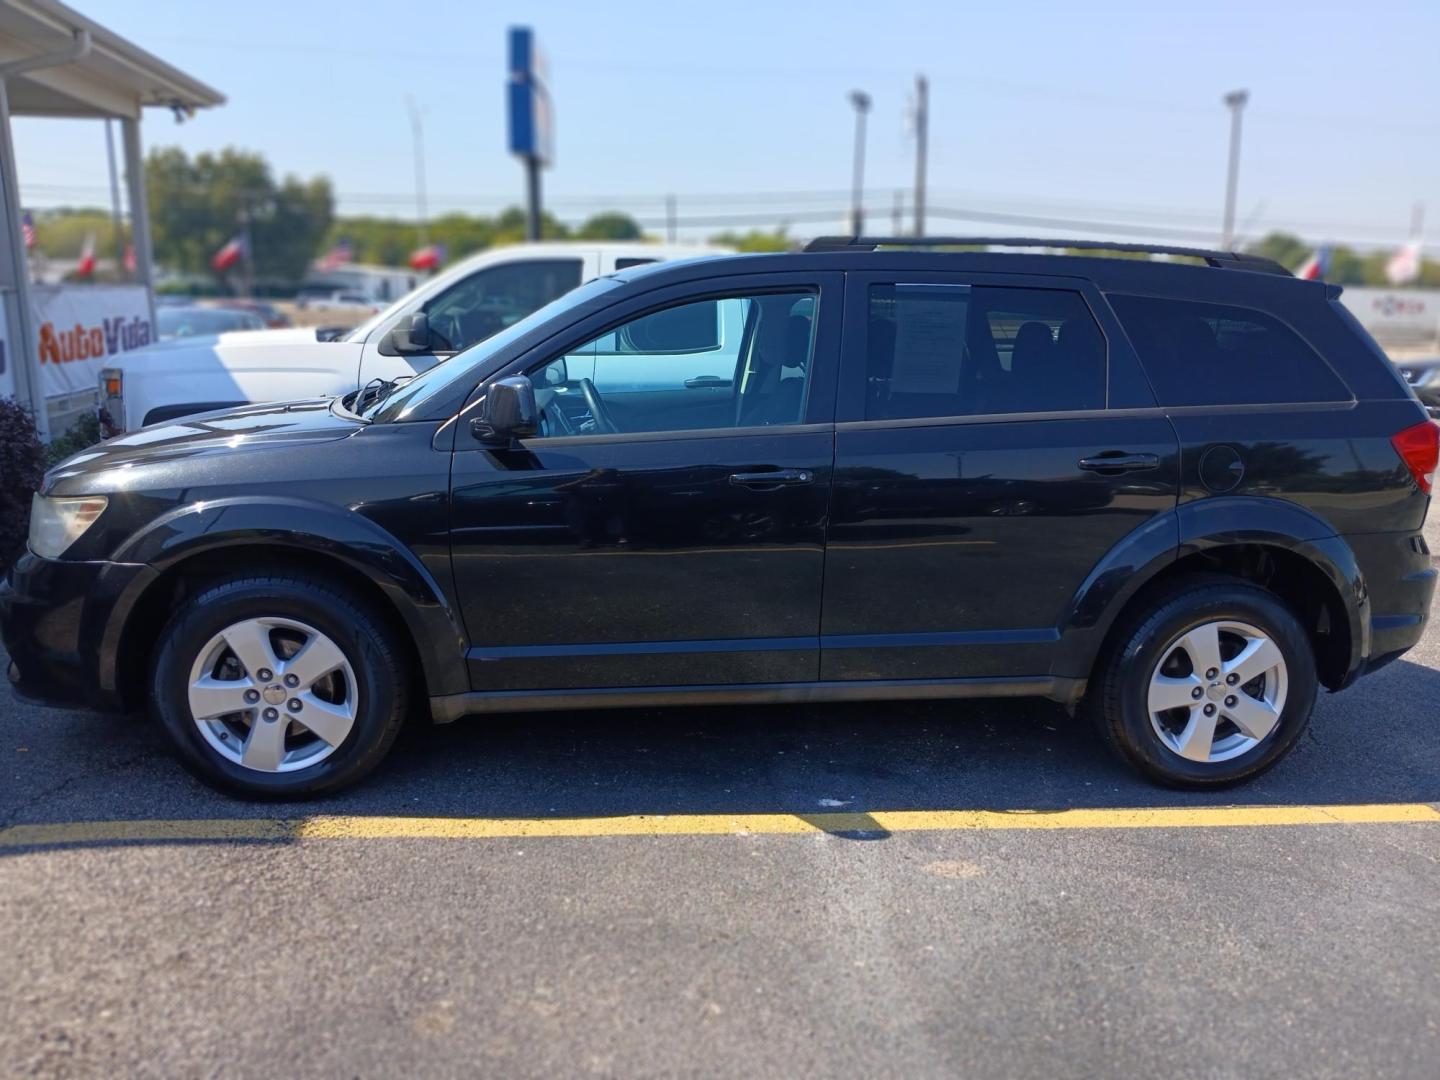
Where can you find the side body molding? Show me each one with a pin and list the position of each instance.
(409, 582)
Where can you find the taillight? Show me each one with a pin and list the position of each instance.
(1419, 448)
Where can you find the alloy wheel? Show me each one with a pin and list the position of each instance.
(1218, 691)
(273, 694)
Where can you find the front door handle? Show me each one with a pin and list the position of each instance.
(1115, 462)
(772, 479)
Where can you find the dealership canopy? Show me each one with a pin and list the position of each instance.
(55, 62)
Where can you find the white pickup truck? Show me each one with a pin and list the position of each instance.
(464, 305)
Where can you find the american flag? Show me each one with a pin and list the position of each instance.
(338, 256)
(27, 227)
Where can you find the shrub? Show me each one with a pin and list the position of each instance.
(22, 467)
(85, 432)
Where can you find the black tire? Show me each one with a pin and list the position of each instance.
(367, 642)
(1120, 700)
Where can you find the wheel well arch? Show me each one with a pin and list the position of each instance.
(1307, 589)
(190, 575)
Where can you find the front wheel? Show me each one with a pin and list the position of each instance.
(1211, 685)
(279, 687)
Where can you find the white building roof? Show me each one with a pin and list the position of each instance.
(115, 78)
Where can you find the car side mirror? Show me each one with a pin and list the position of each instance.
(412, 336)
(508, 411)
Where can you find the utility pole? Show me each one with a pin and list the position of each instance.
(115, 198)
(861, 101)
(670, 218)
(897, 215)
(417, 133)
(247, 255)
(922, 136)
(1235, 100)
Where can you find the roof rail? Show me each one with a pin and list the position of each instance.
(1235, 260)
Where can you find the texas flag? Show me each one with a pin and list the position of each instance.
(1316, 266)
(428, 257)
(229, 255)
(1404, 265)
(86, 266)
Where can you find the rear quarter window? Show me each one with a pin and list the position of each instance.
(1213, 354)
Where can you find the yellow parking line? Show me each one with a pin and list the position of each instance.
(356, 827)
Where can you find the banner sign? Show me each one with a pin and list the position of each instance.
(1395, 316)
(79, 328)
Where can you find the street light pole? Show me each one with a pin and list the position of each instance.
(922, 146)
(417, 133)
(861, 101)
(1235, 100)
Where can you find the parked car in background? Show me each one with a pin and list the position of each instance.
(1423, 375)
(1182, 499)
(174, 323)
(472, 300)
(336, 300)
(380, 285)
(270, 315)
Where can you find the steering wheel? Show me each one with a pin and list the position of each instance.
(599, 411)
(554, 422)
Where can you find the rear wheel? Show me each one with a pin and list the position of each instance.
(279, 687)
(1211, 685)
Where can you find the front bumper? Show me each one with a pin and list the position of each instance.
(60, 622)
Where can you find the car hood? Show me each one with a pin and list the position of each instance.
(111, 465)
(244, 350)
(240, 339)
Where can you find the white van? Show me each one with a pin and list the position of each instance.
(465, 304)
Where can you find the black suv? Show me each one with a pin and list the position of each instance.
(1181, 495)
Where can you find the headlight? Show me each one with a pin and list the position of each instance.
(55, 524)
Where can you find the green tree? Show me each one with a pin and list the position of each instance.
(1347, 266)
(1285, 248)
(197, 205)
(61, 233)
(611, 226)
(756, 240)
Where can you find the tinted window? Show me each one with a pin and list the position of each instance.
(1206, 354)
(942, 350)
(738, 361)
(489, 300)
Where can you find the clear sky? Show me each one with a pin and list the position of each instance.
(1093, 111)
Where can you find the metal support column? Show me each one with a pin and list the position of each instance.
(139, 210)
(22, 357)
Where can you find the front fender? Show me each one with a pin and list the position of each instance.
(248, 522)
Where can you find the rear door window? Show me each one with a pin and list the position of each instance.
(959, 350)
(1211, 354)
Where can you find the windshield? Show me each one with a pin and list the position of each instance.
(361, 332)
(403, 401)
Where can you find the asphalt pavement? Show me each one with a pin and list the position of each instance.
(713, 946)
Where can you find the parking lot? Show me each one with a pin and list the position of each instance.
(758, 891)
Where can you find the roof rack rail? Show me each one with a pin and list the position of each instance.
(1236, 260)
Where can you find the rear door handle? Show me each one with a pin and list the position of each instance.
(774, 478)
(1114, 462)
